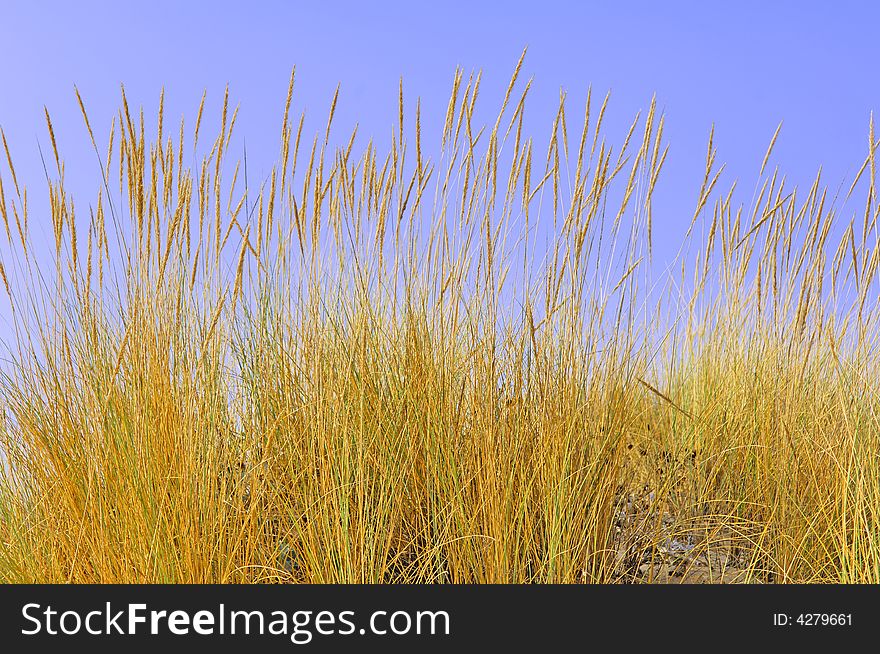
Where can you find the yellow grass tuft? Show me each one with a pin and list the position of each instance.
(386, 376)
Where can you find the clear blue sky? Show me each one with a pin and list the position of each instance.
(744, 66)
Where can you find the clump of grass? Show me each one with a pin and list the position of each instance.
(368, 368)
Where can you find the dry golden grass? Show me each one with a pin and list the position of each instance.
(371, 369)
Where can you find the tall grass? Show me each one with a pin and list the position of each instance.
(379, 367)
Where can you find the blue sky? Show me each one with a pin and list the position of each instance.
(743, 66)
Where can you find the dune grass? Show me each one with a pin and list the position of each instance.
(383, 367)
